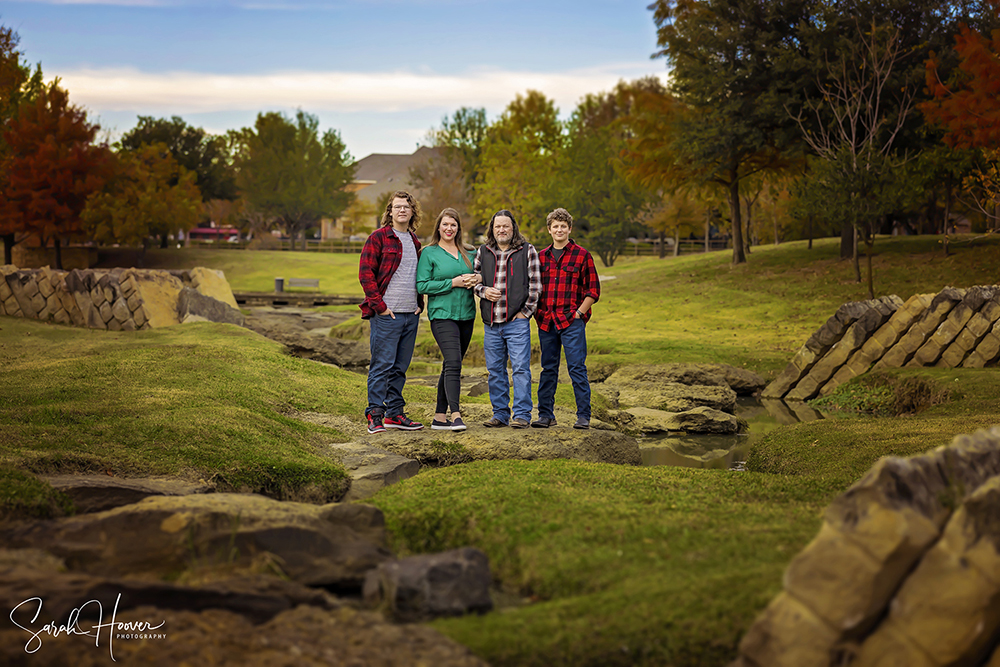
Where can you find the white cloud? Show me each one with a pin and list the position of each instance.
(399, 91)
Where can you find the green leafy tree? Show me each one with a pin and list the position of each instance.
(858, 118)
(590, 179)
(729, 68)
(517, 162)
(205, 155)
(289, 172)
(674, 215)
(463, 133)
(149, 194)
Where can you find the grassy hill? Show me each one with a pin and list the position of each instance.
(594, 564)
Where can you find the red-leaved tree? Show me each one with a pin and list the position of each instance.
(967, 105)
(53, 166)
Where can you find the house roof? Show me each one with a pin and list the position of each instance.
(388, 172)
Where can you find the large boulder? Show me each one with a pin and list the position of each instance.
(193, 306)
(698, 420)
(371, 468)
(598, 444)
(318, 545)
(428, 586)
(343, 353)
(740, 380)
(30, 573)
(562, 442)
(212, 283)
(668, 396)
(96, 493)
(903, 570)
(676, 387)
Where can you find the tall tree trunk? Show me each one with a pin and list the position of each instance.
(708, 228)
(809, 226)
(677, 241)
(747, 240)
(663, 244)
(857, 266)
(947, 209)
(848, 243)
(59, 264)
(869, 246)
(739, 257)
(8, 248)
(163, 241)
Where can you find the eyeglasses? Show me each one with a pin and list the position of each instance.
(400, 208)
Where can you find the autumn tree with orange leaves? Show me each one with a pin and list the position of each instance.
(52, 168)
(148, 194)
(18, 83)
(966, 106)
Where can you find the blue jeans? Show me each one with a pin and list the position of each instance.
(573, 339)
(500, 342)
(392, 343)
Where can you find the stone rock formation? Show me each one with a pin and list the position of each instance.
(117, 299)
(372, 468)
(697, 420)
(954, 328)
(904, 571)
(317, 545)
(421, 588)
(96, 493)
(662, 387)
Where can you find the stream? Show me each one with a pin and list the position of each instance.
(724, 451)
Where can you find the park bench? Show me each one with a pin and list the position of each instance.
(281, 283)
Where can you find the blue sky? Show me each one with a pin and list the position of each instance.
(382, 72)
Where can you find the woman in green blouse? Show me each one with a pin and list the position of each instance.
(445, 275)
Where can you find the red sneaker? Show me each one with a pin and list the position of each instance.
(375, 424)
(403, 422)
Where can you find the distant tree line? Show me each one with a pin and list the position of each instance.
(59, 184)
(782, 119)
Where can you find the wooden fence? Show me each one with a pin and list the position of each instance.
(640, 249)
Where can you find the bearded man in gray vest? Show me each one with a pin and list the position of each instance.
(512, 284)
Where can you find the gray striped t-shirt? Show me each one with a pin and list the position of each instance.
(401, 295)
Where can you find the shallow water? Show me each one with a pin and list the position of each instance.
(724, 451)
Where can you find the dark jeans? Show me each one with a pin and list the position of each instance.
(453, 338)
(574, 340)
(392, 343)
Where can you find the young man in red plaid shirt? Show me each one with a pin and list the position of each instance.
(570, 286)
(388, 275)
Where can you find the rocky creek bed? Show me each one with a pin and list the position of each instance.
(202, 577)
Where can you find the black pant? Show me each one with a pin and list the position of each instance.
(453, 338)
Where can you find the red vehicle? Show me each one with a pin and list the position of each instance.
(229, 234)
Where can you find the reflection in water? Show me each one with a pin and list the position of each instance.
(724, 451)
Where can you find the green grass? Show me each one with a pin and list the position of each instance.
(610, 565)
(205, 401)
(255, 271)
(23, 496)
(594, 564)
(839, 451)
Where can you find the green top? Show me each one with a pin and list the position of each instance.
(435, 271)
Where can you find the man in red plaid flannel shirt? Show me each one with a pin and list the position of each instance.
(570, 286)
(388, 275)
